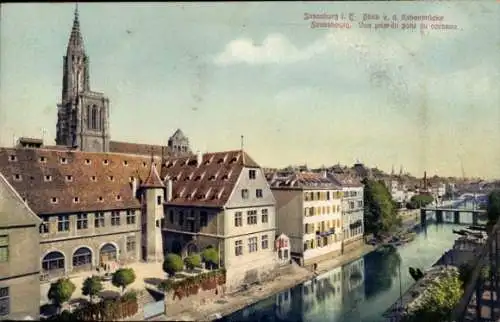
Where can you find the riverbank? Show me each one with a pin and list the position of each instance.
(234, 302)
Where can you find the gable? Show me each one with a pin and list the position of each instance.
(13, 210)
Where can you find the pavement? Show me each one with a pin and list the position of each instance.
(143, 271)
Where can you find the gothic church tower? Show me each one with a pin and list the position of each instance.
(82, 115)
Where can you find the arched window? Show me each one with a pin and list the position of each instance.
(94, 117)
(82, 256)
(108, 253)
(53, 261)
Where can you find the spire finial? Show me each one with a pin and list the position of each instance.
(242, 142)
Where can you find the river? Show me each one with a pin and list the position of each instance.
(358, 291)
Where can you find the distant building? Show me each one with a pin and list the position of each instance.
(19, 257)
(222, 200)
(309, 213)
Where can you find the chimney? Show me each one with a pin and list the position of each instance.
(324, 174)
(168, 192)
(134, 187)
(199, 158)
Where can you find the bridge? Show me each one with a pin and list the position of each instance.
(477, 214)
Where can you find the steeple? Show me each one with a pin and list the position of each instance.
(75, 43)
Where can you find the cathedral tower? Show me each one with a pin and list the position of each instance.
(82, 115)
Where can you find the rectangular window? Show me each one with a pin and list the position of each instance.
(130, 244)
(158, 200)
(265, 242)
(252, 217)
(203, 219)
(328, 195)
(265, 216)
(171, 216)
(252, 244)
(63, 223)
(238, 248)
(4, 301)
(238, 219)
(251, 174)
(244, 193)
(258, 193)
(99, 220)
(4, 248)
(81, 221)
(44, 226)
(181, 218)
(115, 218)
(130, 217)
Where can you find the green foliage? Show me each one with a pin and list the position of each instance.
(61, 291)
(380, 210)
(439, 300)
(107, 310)
(123, 277)
(416, 273)
(192, 284)
(493, 206)
(92, 286)
(193, 261)
(210, 257)
(172, 264)
(419, 201)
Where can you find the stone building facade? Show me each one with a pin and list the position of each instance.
(19, 257)
(222, 200)
(309, 213)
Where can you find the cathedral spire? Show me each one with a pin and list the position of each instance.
(76, 39)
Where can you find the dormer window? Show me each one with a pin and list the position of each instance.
(24, 199)
(211, 178)
(47, 178)
(54, 200)
(221, 160)
(130, 179)
(12, 157)
(100, 199)
(111, 178)
(125, 162)
(105, 161)
(63, 160)
(18, 177)
(69, 178)
(42, 159)
(118, 197)
(144, 164)
(76, 200)
(198, 177)
(233, 160)
(169, 164)
(93, 178)
(88, 162)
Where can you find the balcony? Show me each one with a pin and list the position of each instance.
(329, 232)
(356, 224)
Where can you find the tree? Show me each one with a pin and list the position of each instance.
(123, 277)
(493, 206)
(92, 286)
(172, 264)
(419, 201)
(61, 291)
(211, 257)
(193, 261)
(380, 210)
(439, 299)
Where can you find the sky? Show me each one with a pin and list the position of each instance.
(424, 99)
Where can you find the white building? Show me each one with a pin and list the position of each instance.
(352, 208)
(222, 200)
(309, 213)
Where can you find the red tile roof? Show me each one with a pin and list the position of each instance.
(208, 184)
(140, 149)
(153, 180)
(79, 181)
(303, 180)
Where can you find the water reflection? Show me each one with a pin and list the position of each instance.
(359, 291)
(317, 299)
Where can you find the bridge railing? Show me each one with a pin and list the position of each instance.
(474, 305)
